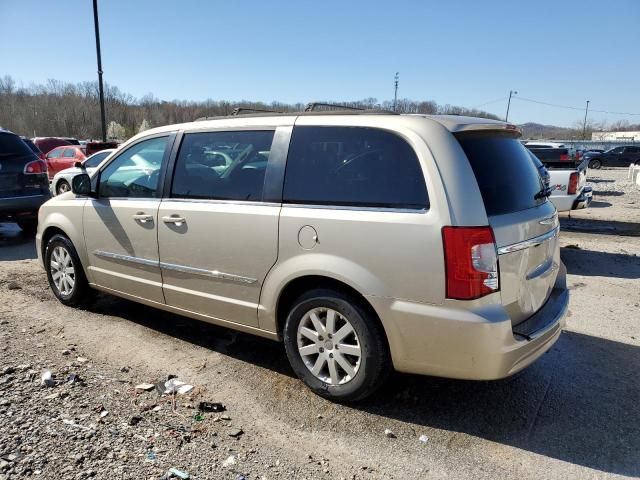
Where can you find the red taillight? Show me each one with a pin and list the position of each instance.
(574, 179)
(564, 157)
(35, 167)
(471, 261)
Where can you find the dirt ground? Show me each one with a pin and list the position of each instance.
(574, 414)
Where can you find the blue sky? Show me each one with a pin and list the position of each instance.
(459, 52)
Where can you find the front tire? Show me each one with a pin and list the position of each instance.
(64, 272)
(596, 164)
(335, 346)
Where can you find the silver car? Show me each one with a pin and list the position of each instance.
(365, 242)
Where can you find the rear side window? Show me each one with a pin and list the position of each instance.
(69, 153)
(353, 166)
(55, 153)
(222, 165)
(507, 177)
(11, 144)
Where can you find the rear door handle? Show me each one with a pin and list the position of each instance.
(174, 219)
(142, 217)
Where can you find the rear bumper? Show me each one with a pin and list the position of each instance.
(472, 345)
(584, 199)
(15, 208)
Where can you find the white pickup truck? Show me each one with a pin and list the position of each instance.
(567, 179)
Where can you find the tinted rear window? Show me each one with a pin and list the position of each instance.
(506, 175)
(11, 144)
(353, 166)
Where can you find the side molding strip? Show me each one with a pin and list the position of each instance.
(126, 258)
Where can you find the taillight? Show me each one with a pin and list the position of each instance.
(35, 167)
(574, 178)
(471, 261)
(564, 157)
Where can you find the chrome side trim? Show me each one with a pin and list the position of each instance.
(208, 273)
(221, 202)
(549, 220)
(126, 258)
(532, 242)
(25, 196)
(357, 209)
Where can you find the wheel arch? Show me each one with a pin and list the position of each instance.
(56, 223)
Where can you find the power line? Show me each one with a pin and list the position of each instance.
(572, 108)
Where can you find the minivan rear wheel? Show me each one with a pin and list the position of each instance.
(64, 272)
(335, 346)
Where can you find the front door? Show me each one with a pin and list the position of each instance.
(217, 235)
(120, 225)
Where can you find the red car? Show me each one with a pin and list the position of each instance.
(63, 157)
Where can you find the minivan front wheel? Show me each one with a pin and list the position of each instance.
(64, 272)
(335, 346)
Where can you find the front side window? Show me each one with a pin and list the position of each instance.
(135, 172)
(353, 166)
(222, 165)
(95, 159)
(69, 153)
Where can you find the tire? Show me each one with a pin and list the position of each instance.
(596, 164)
(368, 371)
(74, 291)
(29, 226)
(62, 187)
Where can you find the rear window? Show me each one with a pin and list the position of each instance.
(507, 177)
(353, 166)
(11, 144)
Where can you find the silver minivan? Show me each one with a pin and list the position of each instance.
(366, 242)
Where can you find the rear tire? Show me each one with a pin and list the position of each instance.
(62, 187)
(596, 164)
(65, 273)
(343, 354)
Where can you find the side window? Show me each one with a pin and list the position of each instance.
(353, 166)
(222, 165)
(69, 153)
(55, 153)
(135, 172)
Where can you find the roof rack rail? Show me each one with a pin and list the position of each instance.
(238, 110)
(311, 107)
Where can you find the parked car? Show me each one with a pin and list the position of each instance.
(61, 158)
(567, 178)
(365, 242)
(46, 144)
(614, 157)
(93, 147)
(61, 182)
(24, 184)
(33, 148)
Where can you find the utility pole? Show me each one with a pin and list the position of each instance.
(395, 95)
(511, 92)
(584, 126)
(97, 29)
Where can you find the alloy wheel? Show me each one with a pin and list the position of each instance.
(329, 346)
(62, 270)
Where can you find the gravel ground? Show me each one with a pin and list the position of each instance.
(573, 414)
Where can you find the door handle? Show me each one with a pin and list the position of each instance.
(142, 217)
(174, 219)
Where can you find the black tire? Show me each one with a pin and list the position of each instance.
(80, 293)
(29, 226)
(596, 164)
(62, 187)
(375, 360)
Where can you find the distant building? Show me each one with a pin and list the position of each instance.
(616, 136)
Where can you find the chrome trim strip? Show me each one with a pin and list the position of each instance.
(220, 201)
(25, 196)
(208, 273)
(549, 220)
(357, 209)
(532, 242)
(126, 258)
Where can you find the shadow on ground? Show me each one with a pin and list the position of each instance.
(578, 403)
(607, 193)
(600, 264)
(603, 227)
(599, 180)
(15, 244)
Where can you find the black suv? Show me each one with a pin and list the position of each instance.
(614, 157)
(24, 183)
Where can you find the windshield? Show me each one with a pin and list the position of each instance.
(11, 144)
(507, 177)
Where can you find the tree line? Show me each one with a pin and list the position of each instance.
(64, 109)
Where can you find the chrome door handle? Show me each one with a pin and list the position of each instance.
(175, 220)
(142, 217)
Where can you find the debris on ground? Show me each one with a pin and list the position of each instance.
(389, 434)
(174, 385)
(211, 407)
(231, 460)
(145, 387)
(179, 473)
(46, 379)
(423, 439)
(235, 432)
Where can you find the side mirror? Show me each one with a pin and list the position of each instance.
(81, 184)
(78, 165)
